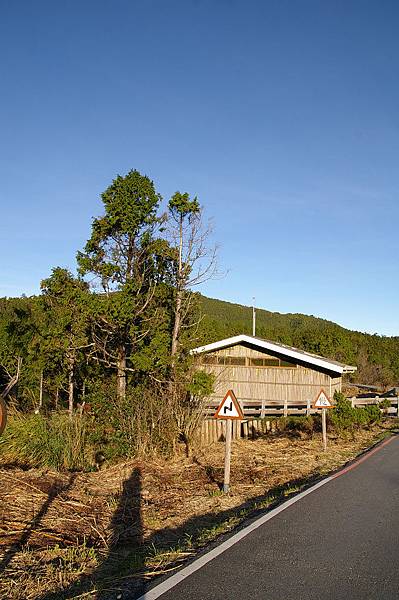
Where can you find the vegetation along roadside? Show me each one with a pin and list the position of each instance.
(105, 534)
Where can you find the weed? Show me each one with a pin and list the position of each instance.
(57, 442)
(72, 559)
(215, 493)
(113, 502)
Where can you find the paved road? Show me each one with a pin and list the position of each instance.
(339, 542)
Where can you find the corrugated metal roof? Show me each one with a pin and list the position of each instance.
(290, 351)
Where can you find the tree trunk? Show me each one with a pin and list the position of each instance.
(179, 296)
(13, 381)
(176, 326)
(121, 375)
(71, 368)
(41, 391)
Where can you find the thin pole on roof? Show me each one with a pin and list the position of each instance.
(253, 317)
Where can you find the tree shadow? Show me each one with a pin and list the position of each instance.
(55, 490)
(125, 551)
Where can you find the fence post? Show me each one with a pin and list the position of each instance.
(308, 406)
(262, 410)
(285, 407)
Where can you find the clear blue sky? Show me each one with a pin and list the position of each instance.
(281, 116)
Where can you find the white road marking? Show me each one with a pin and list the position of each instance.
(197, 564)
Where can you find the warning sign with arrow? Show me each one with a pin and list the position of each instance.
(229, 408)
(322, 401)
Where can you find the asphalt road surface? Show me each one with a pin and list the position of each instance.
(339, 542)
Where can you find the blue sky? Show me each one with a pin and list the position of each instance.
(282, 117)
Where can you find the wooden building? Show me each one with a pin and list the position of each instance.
(268, 377)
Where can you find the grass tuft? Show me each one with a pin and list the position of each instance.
(37, 441)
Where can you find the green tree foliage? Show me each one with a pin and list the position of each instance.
(65, 339)
(127, 262)
(20, 353)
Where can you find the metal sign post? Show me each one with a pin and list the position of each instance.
(323, 401)
(229, 410)
(324, 427)
(227, 456)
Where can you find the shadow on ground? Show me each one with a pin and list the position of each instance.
(123, 573)
(124, 551)
(55, 490)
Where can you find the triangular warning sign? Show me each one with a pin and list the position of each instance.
(229, 408)
(322, 400)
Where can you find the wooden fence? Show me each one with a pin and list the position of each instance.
(392, 410)
(213, 430)
(261, 409)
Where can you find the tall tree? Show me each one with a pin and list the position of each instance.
(122, 256)
(196, 262)
(19, 336)
(66, 304)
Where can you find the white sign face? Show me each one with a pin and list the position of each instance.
(229, 408)
(322, 401)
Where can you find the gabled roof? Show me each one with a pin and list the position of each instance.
(289, 351)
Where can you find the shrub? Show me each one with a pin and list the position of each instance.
(373, 413)
(386, 403)
(300, 424)
(344, 416)
(37, 441)
(140, 425)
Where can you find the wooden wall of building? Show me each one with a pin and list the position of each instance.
(271, 385)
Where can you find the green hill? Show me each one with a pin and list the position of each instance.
(377, 357)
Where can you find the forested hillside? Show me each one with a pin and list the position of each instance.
(377, 357)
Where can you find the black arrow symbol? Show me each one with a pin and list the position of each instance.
(228, 408)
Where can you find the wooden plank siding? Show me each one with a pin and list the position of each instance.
(267, 386)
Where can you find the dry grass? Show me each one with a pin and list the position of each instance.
(68, 535)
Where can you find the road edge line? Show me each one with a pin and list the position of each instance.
(198, 563)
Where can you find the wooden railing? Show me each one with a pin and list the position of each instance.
(264, 408)
(256, 413)
(261, 409)
(392, 410)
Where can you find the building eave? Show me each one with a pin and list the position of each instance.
(295, 353)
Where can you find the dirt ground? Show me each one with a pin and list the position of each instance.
(106, 534)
